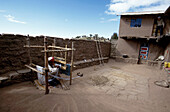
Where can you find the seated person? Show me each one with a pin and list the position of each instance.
(53, 68)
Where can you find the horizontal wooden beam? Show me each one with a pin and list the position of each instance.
(57, 47)
(55, 50)
(63, 67)
(33, 64)
(60, 58)
(35, 46)
(34, 69)
(59, 61)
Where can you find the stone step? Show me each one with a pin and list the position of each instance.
(16, 76)
(3, 79)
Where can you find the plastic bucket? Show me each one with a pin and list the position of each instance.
(166, 64)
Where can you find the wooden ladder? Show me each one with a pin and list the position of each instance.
(99, 52)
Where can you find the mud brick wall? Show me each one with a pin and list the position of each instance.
(13, 56)
(113, 51)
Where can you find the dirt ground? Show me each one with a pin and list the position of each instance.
(114, 87)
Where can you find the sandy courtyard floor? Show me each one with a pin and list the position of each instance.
(114, 87)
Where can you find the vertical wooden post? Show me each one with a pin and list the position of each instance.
(100, 50)
(72, 55)
(66, 54)
(29, 52)
(53, 48)
(46, 65)
(97, 48)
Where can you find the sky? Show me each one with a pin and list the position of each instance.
(69, 18)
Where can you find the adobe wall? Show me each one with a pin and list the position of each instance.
(144, 30)
(167, 26)
(14, 56)
(146, 26)
(113, 51)
(131, 48)
(155, 49)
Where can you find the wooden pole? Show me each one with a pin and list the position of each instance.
(34, 46)
(101, 55)
(56, 51)
(33, 69)
(53, 51)
(53, 48)
(98, 50)
(72, 55)
(66, 54)
(46, 66)
(29, 51)
(65, 58)
(57, 47)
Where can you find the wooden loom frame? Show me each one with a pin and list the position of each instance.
(58, 59)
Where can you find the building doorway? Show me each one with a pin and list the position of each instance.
(144, 49)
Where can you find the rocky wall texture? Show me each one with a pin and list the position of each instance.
(13, 56)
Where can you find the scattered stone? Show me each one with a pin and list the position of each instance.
(23, 71)
(13, 74)
(3, 79)
(162, 83)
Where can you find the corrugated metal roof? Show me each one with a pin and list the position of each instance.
(143, 13)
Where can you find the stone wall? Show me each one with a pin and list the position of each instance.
(14, 56)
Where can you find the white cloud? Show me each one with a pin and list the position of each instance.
(12, 19)
(119, 6)
(109, 20)
(113, 20)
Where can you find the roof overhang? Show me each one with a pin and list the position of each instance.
(168, 10)
(142, 13)
(138, 37)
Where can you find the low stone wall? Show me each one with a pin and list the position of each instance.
(14, 56)
(18, 76)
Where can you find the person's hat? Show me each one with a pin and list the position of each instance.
(51, 59)
(159, 17)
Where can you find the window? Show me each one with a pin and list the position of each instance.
(135, 22)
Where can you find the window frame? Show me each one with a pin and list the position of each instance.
(136, 22)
